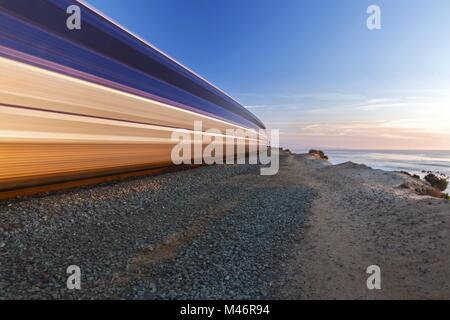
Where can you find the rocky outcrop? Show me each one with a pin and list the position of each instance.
(318, 154)
(439, 182)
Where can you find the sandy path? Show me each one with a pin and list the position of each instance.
(361, 218)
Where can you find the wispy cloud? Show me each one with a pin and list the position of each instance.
(329, 96)
(260, 106)
(345, 120)
(375, 106)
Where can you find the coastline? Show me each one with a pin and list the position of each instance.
(415, 162)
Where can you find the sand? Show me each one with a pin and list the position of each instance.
(363, 218)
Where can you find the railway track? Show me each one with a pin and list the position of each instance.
(95, 179)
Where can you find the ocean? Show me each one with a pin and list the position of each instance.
(411, 161)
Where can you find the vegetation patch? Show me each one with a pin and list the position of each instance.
(439, 182)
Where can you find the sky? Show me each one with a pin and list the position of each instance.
(312, 68)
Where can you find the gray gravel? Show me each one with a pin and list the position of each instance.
(210, 233)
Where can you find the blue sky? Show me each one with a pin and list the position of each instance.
(311, 68)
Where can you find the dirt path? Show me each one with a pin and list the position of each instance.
(361, 218)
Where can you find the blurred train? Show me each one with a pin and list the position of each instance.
(93, 101)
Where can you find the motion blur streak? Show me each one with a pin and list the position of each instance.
(72, 106)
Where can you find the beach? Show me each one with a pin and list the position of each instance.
(226, 232)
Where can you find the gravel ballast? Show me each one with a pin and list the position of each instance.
(219, 232)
